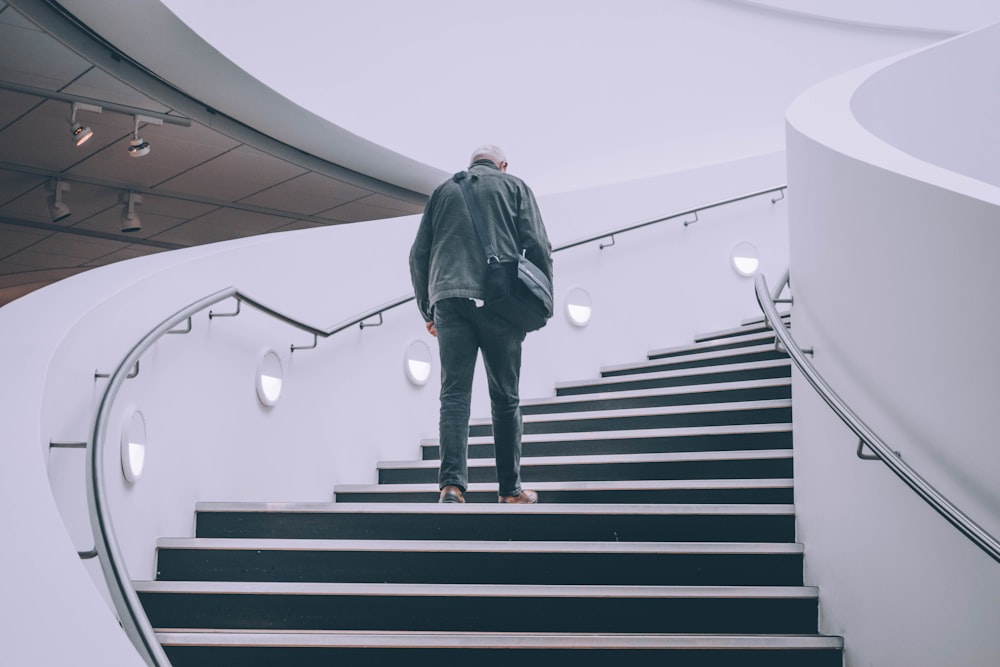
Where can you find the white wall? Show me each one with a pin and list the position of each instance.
(907, 15)
(894, 273)
(346, 404)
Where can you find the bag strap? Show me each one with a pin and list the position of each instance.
(463, 180)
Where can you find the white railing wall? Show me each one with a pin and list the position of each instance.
(892, 240)
(346, 404)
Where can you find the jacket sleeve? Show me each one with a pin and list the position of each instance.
(531, 230)
(420, 258)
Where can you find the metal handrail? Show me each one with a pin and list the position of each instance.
(695, 211)
(892, 459)
(358, 320)
(132, 616)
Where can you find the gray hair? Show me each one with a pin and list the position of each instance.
(489, 152)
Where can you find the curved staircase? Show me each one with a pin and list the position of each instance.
(665, 534)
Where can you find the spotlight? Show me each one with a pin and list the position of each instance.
(130, 218)
(139, 147)
(57, 209)
(81, 133)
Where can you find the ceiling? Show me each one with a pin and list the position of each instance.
(207, 177)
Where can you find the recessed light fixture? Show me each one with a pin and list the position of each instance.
(133, 446)
(80, 133)
(270, 378)
(139, 147)
(417, 363)
(745, 259)
(130, 217)
(578, 306)
(58, 210)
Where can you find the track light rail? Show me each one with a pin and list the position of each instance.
(102, 104)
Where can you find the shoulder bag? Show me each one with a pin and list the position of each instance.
(517, 290)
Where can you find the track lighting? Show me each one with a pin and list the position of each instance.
(81, 133)
(130, 218)
(57, 208)
(138, 147)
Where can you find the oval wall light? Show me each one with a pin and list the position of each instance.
(578, 306)
(134, 446)
(745, 258)
(270, 378)
(417, 363)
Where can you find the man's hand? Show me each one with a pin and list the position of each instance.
(431, 330)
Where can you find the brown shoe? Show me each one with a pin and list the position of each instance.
(526, 497)
(451, 494)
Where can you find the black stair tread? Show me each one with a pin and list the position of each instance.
(476, 546)
(691, 374)
(607, 459)
(597, 485)
(615, 398)
(685, 375)
(775, 435)
(625, 434)
(437, 590)
(698, 408)
(486, 640)
(750, 325)
(720, 356)
(741, 339)
(555, 509)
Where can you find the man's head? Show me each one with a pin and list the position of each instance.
(492, 153)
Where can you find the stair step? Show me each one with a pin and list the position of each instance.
(721, 392)
(736, 341)
(711, 414)
(749, 326)
(494, 649)
(729, 372)
(480, 607)
(634, 441)
(707, 359)
(483, 521)
(679, 465)
(480, 562)
(754, 491)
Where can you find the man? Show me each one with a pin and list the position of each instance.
(448, 270)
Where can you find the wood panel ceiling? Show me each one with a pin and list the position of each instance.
(207, 178)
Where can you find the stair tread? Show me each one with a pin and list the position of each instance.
(704, 356)
(747, 324)
(605, 459)
(640, 484)
(651, 509)
(624, 413)
(474, 546)
(726, 429)
(741, 337)
(660, 391)
(430, 639)
(476, 590)
(678, 373)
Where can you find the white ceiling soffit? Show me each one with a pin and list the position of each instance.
(218, 168)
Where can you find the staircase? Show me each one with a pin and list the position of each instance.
(665, 535)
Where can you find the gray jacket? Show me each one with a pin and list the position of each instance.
(447, 258)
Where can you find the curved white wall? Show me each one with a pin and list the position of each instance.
(894, 276)
(210, 440)
(930, 17)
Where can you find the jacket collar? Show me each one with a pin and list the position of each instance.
(485, 162)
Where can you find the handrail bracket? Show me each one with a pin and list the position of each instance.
(239, 303)
(307, 347)
(362, 325)
(135, 371)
